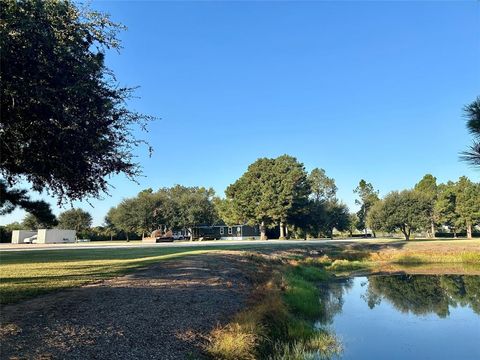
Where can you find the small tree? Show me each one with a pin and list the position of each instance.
(322, 187)
(193, 206)
(353, 223)
(406, 211)
(123, 217)
(375, 217)
(445, 207)
(337, 217)
(428, 187)
(368, 196)
(75, 219)
(468, 203)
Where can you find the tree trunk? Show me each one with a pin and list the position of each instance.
(127, 236)
(432, 229)
(263, 236)
(374, 234)
(191, 233)
(469, 230)
(405, 233)
(286, 231)
(143, 235)
(282, 231)
(111, 237)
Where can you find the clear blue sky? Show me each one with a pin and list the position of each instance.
(368, 90)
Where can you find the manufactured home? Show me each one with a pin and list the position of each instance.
(224, 232)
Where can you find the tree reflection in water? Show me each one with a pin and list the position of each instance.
(418, 294)
(331, 298)
(424, 294)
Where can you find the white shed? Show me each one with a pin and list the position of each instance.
(51, 236)
(19, 235)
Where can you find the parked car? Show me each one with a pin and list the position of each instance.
(30, 240)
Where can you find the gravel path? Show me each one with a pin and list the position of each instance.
(162, 312)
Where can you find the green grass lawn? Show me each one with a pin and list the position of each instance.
(24, 274)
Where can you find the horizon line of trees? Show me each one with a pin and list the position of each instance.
(453, 205)
(278, 193)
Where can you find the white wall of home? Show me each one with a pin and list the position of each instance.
(19, 235)
(51, 236)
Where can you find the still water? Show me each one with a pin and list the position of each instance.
(405, 317)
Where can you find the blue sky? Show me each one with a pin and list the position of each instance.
(369, 90)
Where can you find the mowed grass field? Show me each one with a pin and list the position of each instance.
(25, 274)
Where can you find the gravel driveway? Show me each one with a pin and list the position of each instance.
(162, 312)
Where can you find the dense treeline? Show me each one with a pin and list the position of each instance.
(280, 194)
(281, 197)
(454, 206)
(178, 207)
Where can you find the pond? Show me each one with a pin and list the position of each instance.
(404, 316)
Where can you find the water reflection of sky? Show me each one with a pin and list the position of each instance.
(392, 330)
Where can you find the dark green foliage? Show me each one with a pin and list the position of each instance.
(337, 217)
(270, 192)
(472, 113)
(405, 211)
(64, 122)
(6, 231)
(10, 199)
(75, 219)
(445, 206)
(368, 196)
(468, 203)
(458, 205)
(322, 187)
(179, 207)
(428, 187)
